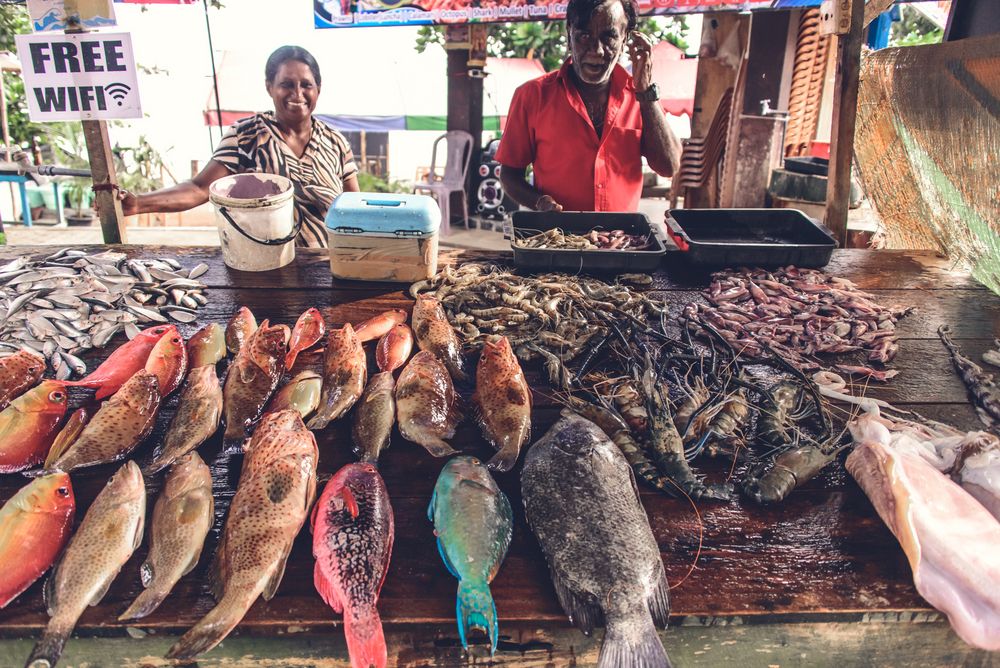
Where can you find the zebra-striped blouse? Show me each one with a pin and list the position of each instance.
(254, 145)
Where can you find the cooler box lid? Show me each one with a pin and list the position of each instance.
(384, 214)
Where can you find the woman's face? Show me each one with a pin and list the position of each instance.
(294, 91)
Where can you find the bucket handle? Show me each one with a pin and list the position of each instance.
(267, 242)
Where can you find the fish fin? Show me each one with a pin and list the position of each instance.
(659, 601)
(326, 590)
(437, 447)
(506, 457)
(144, 604)
(218, 573)
(290, 358)
(446, 560)
(210, 629)
(48, 649)
(350, 503)
(584, 615)
(312, 518)
(146, 573)
(432, 505)
(365, 640)
(320, 420)
(102, 590)
(475, 609)
(104, 391)
(49, 590)
(279, 571)
(627, 644)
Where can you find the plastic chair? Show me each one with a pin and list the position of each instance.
(459, 150)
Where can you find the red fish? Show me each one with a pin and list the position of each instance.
(309, 329)
(379, 325)
(394, 348)
(353, 529)
(34, 527)
(18, 372)
(168, 361)
(124, 362)
(28, 426)
(503, 400)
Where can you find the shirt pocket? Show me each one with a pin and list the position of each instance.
(623, 151)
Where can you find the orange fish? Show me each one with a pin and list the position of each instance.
(168, 361)
(241, 326)
(503, 403)
(379, 325)
(118, 426)
(124, 362)
(345, 372)
(309, 329)
(34, 527)
(435, 334)
(394, 348)
(18, 372)
(28, 426)
(253, 377)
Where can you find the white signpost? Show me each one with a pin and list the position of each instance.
(79, 76)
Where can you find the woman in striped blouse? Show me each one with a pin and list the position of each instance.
(287, 141)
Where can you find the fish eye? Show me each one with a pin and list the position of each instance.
(57, 396)
(62, 491)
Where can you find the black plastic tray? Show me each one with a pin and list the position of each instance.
(749, 237)
(808, 165)
(586, 260)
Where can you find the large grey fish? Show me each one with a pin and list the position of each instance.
(582, 503)
(108, 535)
(198, 413)
(374, 416)
(182, 518)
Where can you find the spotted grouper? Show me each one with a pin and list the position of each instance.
(353, 531)
(503, 403)
(276, 489)
(473, 523)
(253, 377)
(582, 504)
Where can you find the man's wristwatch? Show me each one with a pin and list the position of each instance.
(651, 94)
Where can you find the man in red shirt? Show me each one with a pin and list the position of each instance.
(585, 127)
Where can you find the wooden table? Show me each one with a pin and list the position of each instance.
(817, 579)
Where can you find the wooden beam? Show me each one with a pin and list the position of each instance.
(102, 171)
(845, 113)
(874, 8)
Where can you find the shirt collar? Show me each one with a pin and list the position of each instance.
(621, 80)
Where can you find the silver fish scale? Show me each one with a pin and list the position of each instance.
(581, 502)
(63, 304)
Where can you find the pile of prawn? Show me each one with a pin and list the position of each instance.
(595, 239)
(800, 313)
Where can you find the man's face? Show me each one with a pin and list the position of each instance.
(597, 47)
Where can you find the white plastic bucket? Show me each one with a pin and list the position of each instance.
(256, 219)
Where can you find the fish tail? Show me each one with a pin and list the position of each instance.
(144, 604)
(437, 447)
(506, 457)
(475, 609)
(632, 643)
(365, 640)
(210, 629)
(49, 648)
(157, 465)
(321, 419)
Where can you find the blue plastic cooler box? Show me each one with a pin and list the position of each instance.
(383, 236)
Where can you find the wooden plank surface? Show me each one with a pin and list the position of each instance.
(823, 555)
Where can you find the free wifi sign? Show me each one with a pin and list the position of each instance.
(87, 76)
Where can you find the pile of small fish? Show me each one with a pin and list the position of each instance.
(66, 303)
(799, 313)
(596, 239)
(980, 384)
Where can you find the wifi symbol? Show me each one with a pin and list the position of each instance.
(118, 92)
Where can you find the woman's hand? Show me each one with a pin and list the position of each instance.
(130, 203)
(640, 52)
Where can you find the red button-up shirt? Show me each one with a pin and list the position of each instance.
(548, 127)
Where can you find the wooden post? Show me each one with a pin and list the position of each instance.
(845, 113)
(102, 172)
